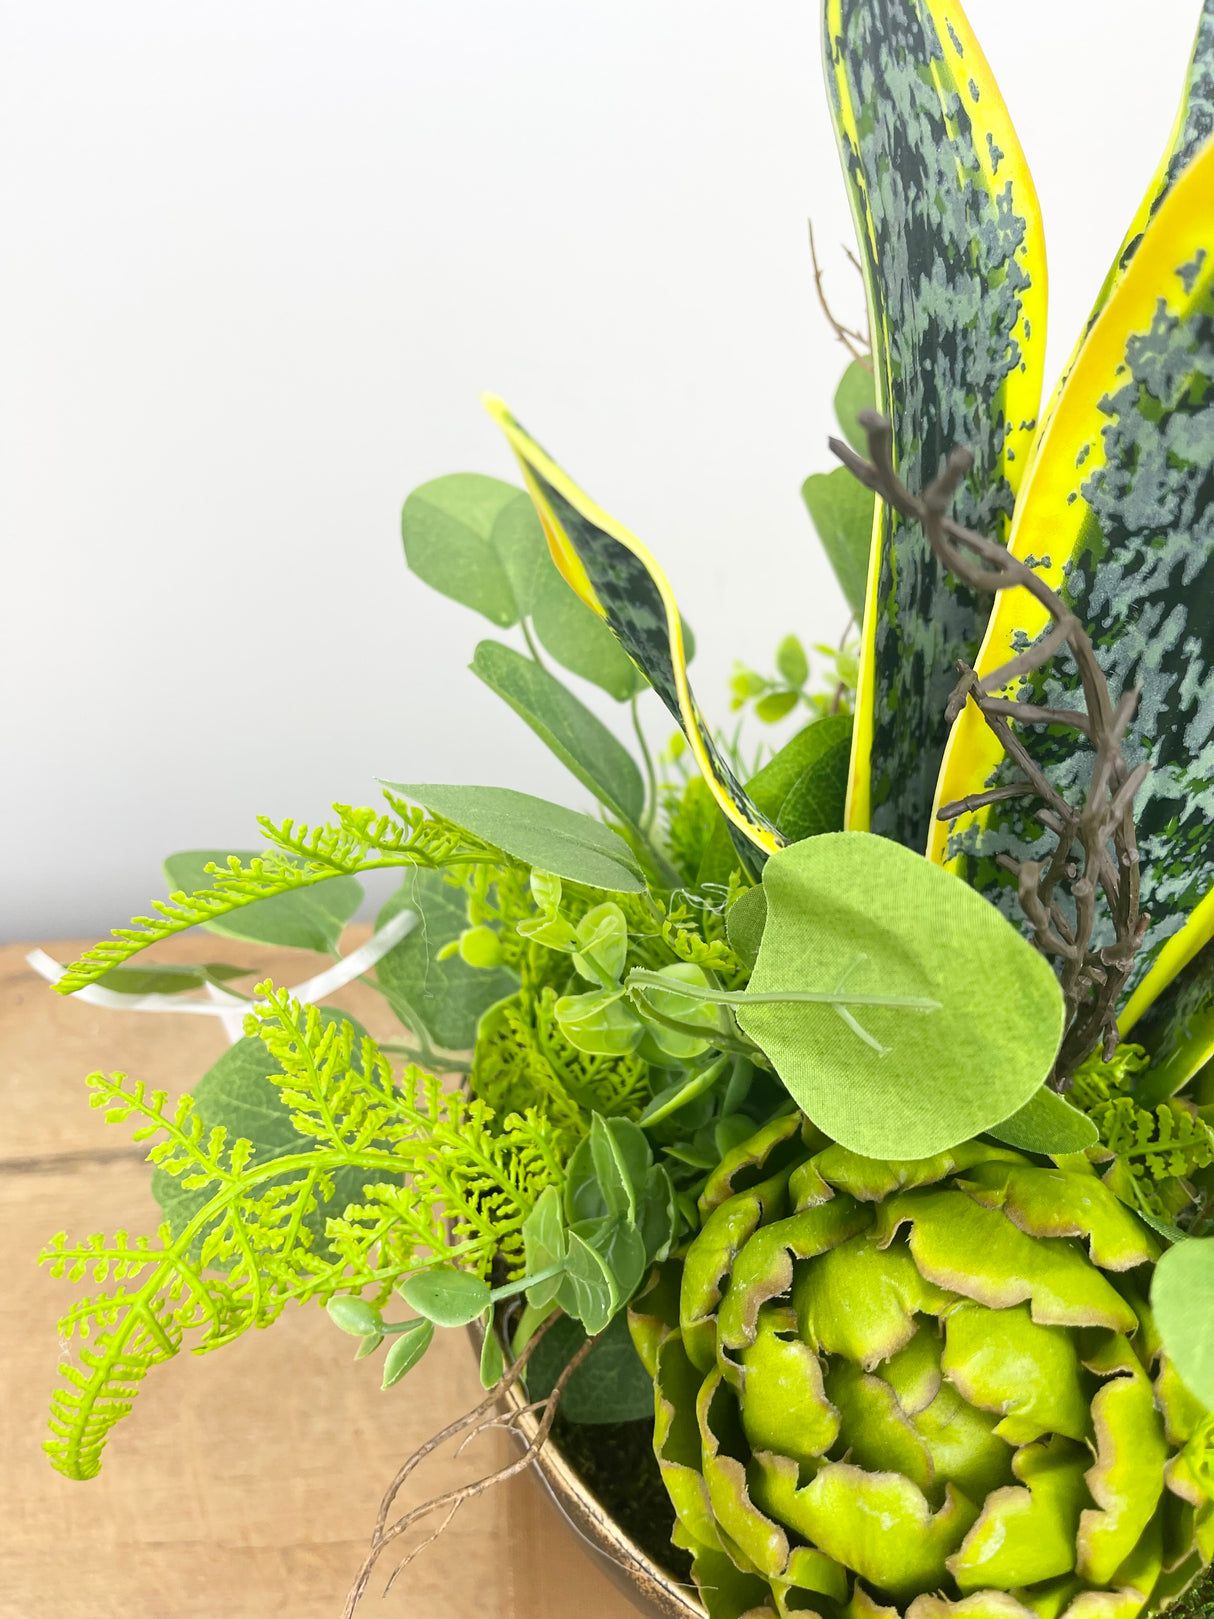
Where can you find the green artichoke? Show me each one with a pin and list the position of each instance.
(927, 1387)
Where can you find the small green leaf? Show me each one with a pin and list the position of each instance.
(853, 913)
(163, 979)
(619, 1244)
(406, 1349)
(668, 1003)
(658, 1214)
(584, 1198)
(311, 919)
(518, 540)
(772, 708)
(842, 512)
(536, 832)
(447, 997)
(546, 889)
(544, 1246)
(579, 738)
(352, 1315)
(1182, 1297)
(683, 1090)
(602, 1023)
(791, 662)
(446, 1296)
(621, 1157)
(611, 1384)
(602, 935)
(744, 923)
(368, 1345)
(856, 392)
(493, 1361)
(1047, 1123)
(447, 527)
(588, 1289)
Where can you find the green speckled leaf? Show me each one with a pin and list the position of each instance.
(951, 245)
(615, 575)
(1118, 511)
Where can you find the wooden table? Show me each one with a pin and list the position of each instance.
(245, 1482)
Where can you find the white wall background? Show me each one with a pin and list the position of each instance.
(260, 258)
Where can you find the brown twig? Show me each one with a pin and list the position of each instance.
(854, 342)
(1097, 848)
(480, 1419)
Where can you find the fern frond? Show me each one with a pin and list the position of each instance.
(363, 840)
(440, 1177)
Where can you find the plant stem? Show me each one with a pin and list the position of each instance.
(651, 780)
(751, 997)
(531, 646)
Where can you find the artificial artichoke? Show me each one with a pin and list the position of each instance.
(920, 1388)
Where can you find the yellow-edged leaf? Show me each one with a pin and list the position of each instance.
(616, 576)
(951, 246)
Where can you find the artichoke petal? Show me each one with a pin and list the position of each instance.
(861, 1298)
(1126, 1481)
(785, 1402)
(872, 1180)
(1063, 1203)
(1002, 1360)
(763, 1268)
(1026, 1532)
(981, 1605)
(730, 1225)
(978, 1252)
(763, 1540)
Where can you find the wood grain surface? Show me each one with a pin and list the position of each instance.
(245, 1482)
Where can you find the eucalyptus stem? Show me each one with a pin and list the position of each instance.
(753, 997)
(651, 779)
(530, 640)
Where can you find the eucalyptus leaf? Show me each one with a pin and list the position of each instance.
(842, 512)
(446, 998)
(611, 1384)
(857, 391)
(579, 738)
(602, 936)
(657, 1215)
(1047, 1123)
(744, 923)
(447, 527)
(353, 1315)
(863, 916)
(445, 1295)
(518, 540)
(406, 1349)
(556, 839)
(310, 919)
(1182, 1297)
(162, 978)
(238, 1093)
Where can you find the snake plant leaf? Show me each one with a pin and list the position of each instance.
(1177, 1031)
(1194, 122)
(579, 738)
(617, 577)
(950, 242)
(1117, 514)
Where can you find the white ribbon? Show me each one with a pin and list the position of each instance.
(230, 1009)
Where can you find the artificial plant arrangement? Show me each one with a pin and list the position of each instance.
(850, 1114)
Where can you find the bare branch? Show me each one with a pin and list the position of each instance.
(854, 342)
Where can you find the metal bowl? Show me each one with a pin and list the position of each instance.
(653, 1590)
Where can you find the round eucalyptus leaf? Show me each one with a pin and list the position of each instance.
(864, 918)
(352, 1315)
